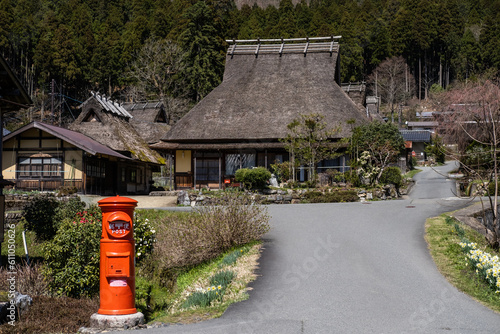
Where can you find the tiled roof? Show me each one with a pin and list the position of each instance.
(111, 106)
(81, 141)
(422, 136)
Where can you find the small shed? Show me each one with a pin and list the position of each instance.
(415, 143)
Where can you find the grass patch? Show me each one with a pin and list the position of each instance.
(412, 173)
(196, 281)
(443, 236)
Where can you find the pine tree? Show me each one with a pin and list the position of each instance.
(204, 51)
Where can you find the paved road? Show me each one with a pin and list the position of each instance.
(354, 268)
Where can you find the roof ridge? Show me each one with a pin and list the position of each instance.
(110, 105)
(287, 45)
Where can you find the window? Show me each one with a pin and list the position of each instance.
(207, 170)
(237, 161)
(40, 167)
(96, 168)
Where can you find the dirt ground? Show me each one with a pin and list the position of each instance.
(144, 202)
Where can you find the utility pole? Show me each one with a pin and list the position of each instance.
(52, 101)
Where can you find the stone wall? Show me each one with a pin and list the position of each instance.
(287, 196)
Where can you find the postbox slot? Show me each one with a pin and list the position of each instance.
(117, 264)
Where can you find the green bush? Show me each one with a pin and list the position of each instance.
(144, 237)
(253, 178)
(392, 175)
(72, 257)
(413, 163)
(45, 213)
(39, 215)
(68, 209)
(353, 178)
(281, 170)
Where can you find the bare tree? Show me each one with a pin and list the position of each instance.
(158, 73)
(390, 80)
(471, 119)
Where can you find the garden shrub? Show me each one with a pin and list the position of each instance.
(72, 257)
(392, 175)
(67, 209)
(281, 170)
(144, 237)
(253, 178)
(353, 178)
(44, 213)
(413, 163)
(491, 188)
(39, 215)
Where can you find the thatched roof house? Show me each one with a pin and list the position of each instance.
(266, 85)
(109, 123)
(149, 119)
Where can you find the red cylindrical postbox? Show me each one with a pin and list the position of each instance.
(117, 266)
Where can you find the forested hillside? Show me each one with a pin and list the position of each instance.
(92, 44)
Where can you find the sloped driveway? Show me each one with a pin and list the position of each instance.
(354, 268)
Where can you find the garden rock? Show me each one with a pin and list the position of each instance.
(23, 302)
(183, 198)
(273, 181)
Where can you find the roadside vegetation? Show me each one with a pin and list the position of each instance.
(465, 258)
(189, 265)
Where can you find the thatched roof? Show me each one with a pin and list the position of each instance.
(149, 119)
(113, 129)
(262, 93)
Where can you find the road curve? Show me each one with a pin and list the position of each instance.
(354, 268)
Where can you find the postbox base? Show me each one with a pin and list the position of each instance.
(116, 321)
(117, 312)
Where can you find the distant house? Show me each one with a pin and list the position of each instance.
(266, 85)
(423, 125)
(40, 156)
(110, 124)
(415, 143)
(149, 119)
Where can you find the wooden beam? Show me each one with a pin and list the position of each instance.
(304, 39)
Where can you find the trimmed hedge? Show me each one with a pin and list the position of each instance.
(333, 197)
(253, 178)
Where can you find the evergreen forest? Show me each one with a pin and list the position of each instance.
(83, 45)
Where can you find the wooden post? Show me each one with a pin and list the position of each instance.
(220, 170)
(194, 170)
